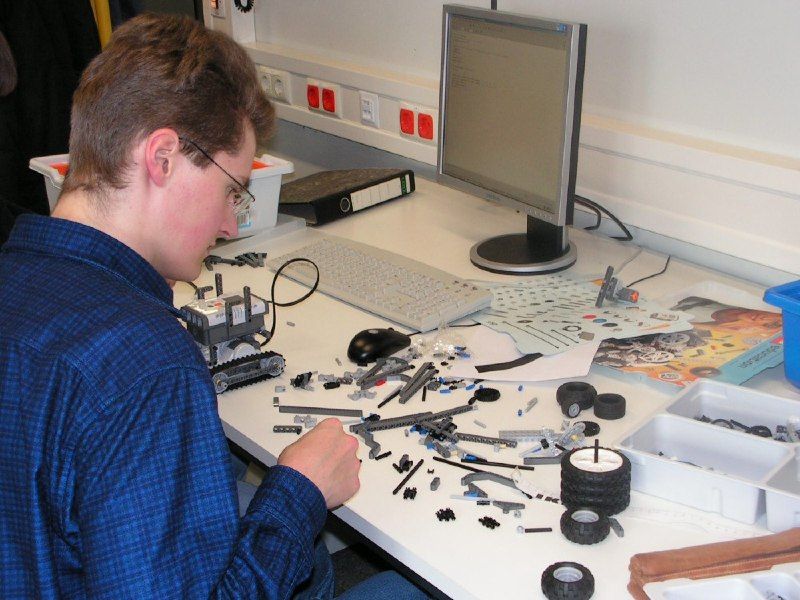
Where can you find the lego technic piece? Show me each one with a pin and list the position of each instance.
(287, 429)
(610, 289)
(590, 428)
(486, 395)
(521, 529)
(567, 581)
(321, 410)
(575, 392)
(423, 375)
(224, 328)
(382, 456)
(403, 465)
(482, 439)
(409, 493)
(445, 514)
(507, 507)
(409, 476)
(489, 522)
(489, 476)
(302, 381)
(616, 527)
(435, 483)
(584, 526)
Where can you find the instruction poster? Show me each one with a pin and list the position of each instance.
(726, 343)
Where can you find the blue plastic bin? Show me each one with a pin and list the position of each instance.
(787, 297)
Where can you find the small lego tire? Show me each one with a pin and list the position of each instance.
(591, 428)
(610, 500)
(584, 525)
(579, 465)
(487, 394)
(609, 406)
(576, 391)
(567, 581)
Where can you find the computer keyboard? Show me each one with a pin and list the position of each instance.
(395, 287)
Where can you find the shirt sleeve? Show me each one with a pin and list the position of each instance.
(156, 508)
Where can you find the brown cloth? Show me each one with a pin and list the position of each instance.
(713, 560)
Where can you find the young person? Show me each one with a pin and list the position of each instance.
(115, 475)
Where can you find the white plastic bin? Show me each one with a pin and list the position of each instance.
(265, 185)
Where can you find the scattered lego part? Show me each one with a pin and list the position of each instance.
(331, 385)
(287, 429)
(302, 381)
(507, 507)
(445, 514)
(480, 423)
(430, 471)
(290, 323)
(403, 465)
(610, 406)
(487, 394)
(322, 410)
(279, 389)
(384, 455)
(338, 362)
(409, 476)
(590, 428)
(489, 522)
(306, 421)
(409, 493)
(275, 401)
(616, 527)
(584, 526)
(610, 289)
(521, 529)
(567, 580)
(435, 483)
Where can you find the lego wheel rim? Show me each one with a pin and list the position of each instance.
(607, 460)
(567, 574)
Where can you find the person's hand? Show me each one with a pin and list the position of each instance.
(327, 456)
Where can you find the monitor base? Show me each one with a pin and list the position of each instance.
(513, 254)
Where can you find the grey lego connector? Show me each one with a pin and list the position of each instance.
(435, 484)
(507, 507)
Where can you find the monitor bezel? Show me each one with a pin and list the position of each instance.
(576, 35)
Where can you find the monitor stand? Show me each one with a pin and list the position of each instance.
(545, 248)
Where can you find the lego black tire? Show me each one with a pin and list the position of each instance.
(609, 406)
(576, 391)
(591, 428)
(567, 581)
(609, 500)
(584, 525)
(579, 466)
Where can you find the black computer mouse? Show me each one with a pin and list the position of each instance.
(371, 344)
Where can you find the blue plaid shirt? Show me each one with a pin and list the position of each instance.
(115, 478)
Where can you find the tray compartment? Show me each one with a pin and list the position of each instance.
(726, 466)
(779, 584)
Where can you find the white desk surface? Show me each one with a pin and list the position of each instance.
(462, 558)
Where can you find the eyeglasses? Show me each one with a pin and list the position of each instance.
(239, 202)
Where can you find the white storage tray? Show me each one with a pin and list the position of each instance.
(736, 474)
(780, 582)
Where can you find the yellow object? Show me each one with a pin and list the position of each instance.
(102, 16)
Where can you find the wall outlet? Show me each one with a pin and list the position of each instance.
(324, 97)
(217, 8)
(368, 105)
(276, 83)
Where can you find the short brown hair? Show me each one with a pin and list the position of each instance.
(162, 71)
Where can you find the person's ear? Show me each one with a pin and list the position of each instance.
(161, 151)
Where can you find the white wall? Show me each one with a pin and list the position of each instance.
(691, 107)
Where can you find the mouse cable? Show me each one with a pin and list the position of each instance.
(597, 208)
(293, 302)
(449, 326)
(661, 272)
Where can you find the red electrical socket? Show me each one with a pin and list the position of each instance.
(407, 121)
(312, 94)
(329, 100)
(425, 126)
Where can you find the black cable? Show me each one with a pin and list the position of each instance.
(592, 205)
(293, 302)
(661, 272)
(598, 216)
(466, 325)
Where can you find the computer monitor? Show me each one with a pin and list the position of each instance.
(509, 120)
